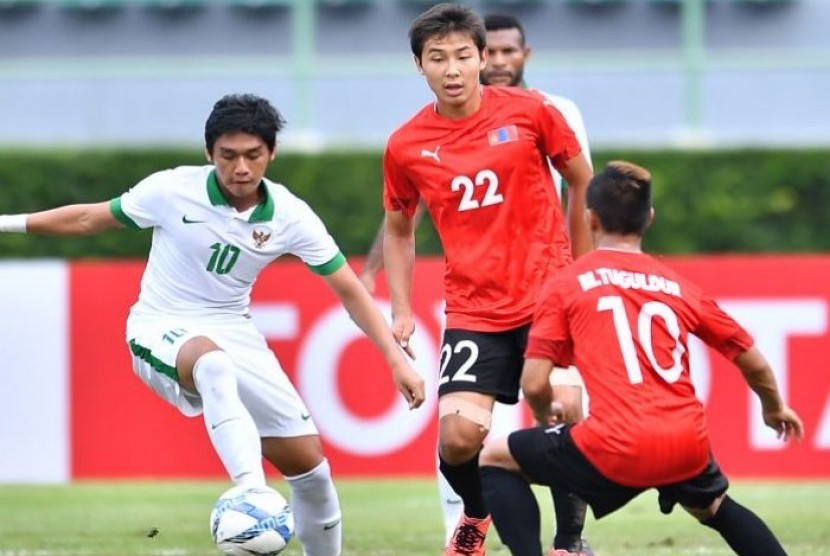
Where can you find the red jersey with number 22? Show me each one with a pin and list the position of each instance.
(624, 319)
(488, 188)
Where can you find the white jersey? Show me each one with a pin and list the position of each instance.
(205, 255)
(570, 111)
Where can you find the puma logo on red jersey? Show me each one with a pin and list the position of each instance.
(431, 154)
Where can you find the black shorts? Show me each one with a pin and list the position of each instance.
(548, 456)
(485, 362)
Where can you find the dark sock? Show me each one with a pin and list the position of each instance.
(743, 531)
(570, 514)
(465, 481)
(514, 510)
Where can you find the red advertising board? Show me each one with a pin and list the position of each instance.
(120, 429)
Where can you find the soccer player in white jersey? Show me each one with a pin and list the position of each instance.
(507, 53)
(191, 336)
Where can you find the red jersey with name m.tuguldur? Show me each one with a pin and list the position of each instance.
(624, 320)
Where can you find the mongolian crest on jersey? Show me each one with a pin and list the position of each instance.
(261, 236)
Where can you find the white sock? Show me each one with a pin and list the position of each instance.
(316, 508)
(231, 429)
(451, 507)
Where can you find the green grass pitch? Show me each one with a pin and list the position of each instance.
(381, 518)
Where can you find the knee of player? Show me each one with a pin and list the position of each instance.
(462, 428)
(495, 453)
(214, 371)
(704, 514)
(456, 449)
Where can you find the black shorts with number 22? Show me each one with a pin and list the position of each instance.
(485, 362)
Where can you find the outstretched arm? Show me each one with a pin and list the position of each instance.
(759, 377)
(374, 259)
(68, 220)
(363, 311)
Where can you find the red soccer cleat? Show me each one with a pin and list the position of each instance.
(584, 551)
(469, 537)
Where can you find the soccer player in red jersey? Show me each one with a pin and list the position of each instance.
(625, 319)
(478, 157)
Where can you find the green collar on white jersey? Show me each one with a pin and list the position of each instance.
(263, 212)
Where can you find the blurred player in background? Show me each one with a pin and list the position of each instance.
(625, 319)
(193, 342)
(507, 53)
(478, 157)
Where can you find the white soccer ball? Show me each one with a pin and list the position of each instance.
(251, 521)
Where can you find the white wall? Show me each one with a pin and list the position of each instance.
(34, 371)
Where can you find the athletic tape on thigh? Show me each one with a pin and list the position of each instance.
(566, 377)
(468, 410)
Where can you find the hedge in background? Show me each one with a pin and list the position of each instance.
(706, 201)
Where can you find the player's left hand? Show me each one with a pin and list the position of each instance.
(554, 414)
(786, 423)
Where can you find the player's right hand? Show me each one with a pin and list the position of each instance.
(402, 329)
(786, 423)
(554, 415)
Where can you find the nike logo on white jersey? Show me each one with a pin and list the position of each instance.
(215, 426)
(431, 154)
(186, 220)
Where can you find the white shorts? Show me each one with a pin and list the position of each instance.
(264, 388)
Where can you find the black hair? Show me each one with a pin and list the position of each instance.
(620, 196)
(243, 113)
(443, 19)
(501, 22)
